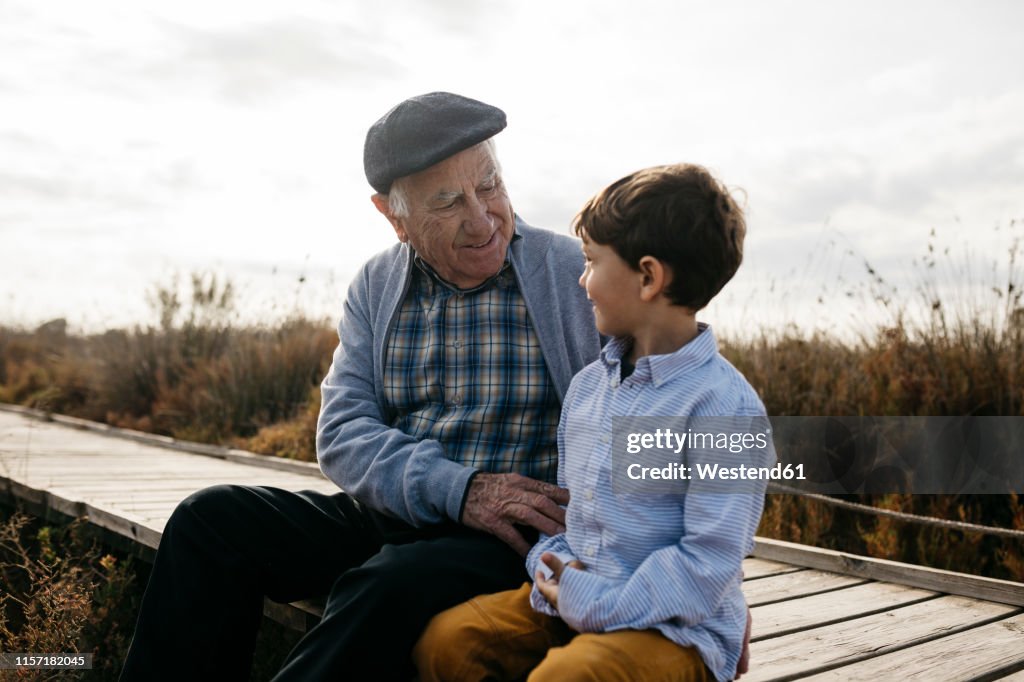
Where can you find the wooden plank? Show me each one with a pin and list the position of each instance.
(831, 607)
(160, 464)
(785, 586)
(158, 521)
(119, 522)
(131, 484)
(151, 461)
(111, 497)
(156, 483)
(48, 463)
(85, 472)
(40, 502)
(153, 440)
(759, 568)
(984, 652)
(143, 488)
(141, 507)
(45, 460)
(197, 479)
(300, 615)
(990, 589)
(64, 480)
(820, 649)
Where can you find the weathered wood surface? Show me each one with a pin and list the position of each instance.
(785, 586)
(1002, 591)
(815, 610)
(817, 614)
(759, 568)
(124, 484)
(828, 647)
(980, 652)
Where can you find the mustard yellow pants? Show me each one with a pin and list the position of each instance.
(500, 637)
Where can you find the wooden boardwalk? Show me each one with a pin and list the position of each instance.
(817, 614)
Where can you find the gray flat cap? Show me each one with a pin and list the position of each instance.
(425, 130)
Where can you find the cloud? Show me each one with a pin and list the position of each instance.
(459, 16)
(177, 176)
(74, 192)
(904, 168)
(36, 187)
(261, 60)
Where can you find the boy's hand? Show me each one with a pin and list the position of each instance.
(496, 503)
(549, 586)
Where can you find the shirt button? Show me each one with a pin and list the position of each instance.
(589, 494)
(606, 439)
(457, 344)
(456, 400)
(590, 551)
(615, 382)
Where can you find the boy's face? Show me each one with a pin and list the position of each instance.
(613, 287)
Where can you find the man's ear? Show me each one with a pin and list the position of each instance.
(380, 202)
(655, 276)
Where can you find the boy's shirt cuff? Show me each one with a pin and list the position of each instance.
(563, 556)
(578, 596)
(556, 544)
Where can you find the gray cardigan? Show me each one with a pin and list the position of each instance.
(382, 466)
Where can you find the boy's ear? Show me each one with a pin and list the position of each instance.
(655, 276)
(380, 202)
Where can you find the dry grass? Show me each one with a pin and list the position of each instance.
(955, 347)
(198, 376)
(63, 594)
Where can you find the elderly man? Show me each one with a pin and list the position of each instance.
(438, 421)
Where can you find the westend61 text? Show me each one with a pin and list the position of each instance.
(716, 472)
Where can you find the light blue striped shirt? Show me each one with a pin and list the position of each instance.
(667, 562)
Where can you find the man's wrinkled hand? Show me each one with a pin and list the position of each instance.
(549, 586)
(496, 503)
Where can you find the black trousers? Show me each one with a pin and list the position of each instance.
(226, 547)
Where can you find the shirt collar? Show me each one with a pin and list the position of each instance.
(659, 369)
(427, 269)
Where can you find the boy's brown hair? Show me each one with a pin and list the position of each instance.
(679, 214)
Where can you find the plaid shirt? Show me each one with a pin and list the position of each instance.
(465, 368)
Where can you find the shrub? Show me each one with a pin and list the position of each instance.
(63, 594)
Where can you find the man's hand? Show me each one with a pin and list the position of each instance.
(549, 586)
(496, 502)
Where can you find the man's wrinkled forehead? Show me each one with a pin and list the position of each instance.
(423, 131)
(448, 184)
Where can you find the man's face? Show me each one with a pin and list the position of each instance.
(460, 219)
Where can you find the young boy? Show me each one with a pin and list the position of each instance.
(650, 581)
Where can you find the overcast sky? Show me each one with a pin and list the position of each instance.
(139, 139)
